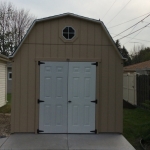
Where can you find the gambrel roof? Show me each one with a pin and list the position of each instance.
(71, 15)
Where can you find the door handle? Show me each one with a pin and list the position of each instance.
(69, 101)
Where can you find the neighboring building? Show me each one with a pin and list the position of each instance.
(3, 79)
(9, 77)
(67, 78)
(140, 68)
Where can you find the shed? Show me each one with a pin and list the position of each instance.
(3, 79)
(67, 78)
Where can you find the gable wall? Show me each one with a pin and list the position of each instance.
(45, 43)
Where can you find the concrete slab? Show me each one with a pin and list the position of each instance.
(2, 141)
(66, 142)
(98, 142)
(36, 142)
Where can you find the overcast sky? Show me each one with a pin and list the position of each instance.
(120, 12)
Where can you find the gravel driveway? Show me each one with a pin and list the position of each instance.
(4, 124)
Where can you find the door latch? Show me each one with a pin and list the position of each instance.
(69, 101)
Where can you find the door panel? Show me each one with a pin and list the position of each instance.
(81, 91)
(53, 91)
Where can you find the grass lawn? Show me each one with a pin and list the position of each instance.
(134, 122)
(6, 108)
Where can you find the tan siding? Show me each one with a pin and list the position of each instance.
(68, 51)
(111, 90)
(17, 95)
(83, 32)
(91, 37)
(54, 51)
(31, 89)
(47, 33)
(39, 33)
(98, 34)
(24, 89)
(119, 95)
(105, 87)
(83, 51)
(61, 51)
(39, 50)
(54, 32)
(76, 51)
(98, 51)
(105, 39)
(47, 51)
(91, 51)
(13, 99)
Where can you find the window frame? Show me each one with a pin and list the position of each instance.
(68, 32)
(9, 75)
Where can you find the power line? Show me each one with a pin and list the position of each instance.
(132, 26)
(109, 9)
(134, 38)
(134, 31)
(119, 12)
(126, 21)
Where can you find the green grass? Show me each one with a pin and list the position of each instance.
(6, 108)
(134, 129)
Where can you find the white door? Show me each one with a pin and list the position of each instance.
(81, 91)
(67, 89)
(53, 91)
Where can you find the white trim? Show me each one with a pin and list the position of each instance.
(63, 15)
(9, 76)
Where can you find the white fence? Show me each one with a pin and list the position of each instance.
(129, 88)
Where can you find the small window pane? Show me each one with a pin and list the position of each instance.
(65, 35)
(71, 30)
(71, 36)
(65, 30)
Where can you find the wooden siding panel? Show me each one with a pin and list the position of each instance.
(39, 33)
(54, 32)
(76, 51)
(98, 51)
(91, 51)
(91, 36)
(83, 32)
(17, 94)
(112, 91)
(39, 50)
(105, 39)
(83, 51)
(54, 51)
(46, 51)
(61, 51)
(68, 51)
(24, 89)
(98, 35)
(31, 88)
(47, 32)
(32, 35)
(119, 95)
(105, 87)
(13, 99)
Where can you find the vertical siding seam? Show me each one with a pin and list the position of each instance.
(27, 85)
(108, 91)
(20, 91)
(14, 95)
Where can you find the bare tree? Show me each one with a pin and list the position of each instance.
(14, 24)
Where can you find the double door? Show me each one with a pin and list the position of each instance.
(67, 95)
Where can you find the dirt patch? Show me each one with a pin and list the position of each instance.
(5, 125)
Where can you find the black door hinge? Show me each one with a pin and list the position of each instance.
(39, 131)
(39, 101)
(94, 101)
(94, 131)
(96, 63)
(40, 62)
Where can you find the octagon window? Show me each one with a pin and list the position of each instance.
(68, 33)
